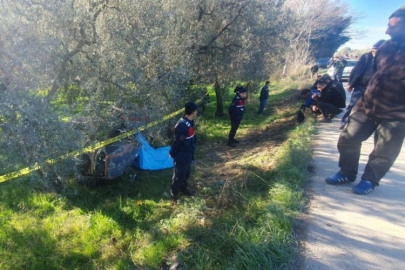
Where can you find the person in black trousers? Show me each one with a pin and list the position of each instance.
(182, 151)
(236, 111)
(264, 95)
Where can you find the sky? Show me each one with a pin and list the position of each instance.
(372, 22)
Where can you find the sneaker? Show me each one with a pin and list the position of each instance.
(187, 192)
(342, 127)
(338, 179)
(363, 188)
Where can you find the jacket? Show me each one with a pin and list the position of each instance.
(359, 74)
(264, 93)
(384, 97)
(339, 66)
(185, 141)
(237, 108)
(332, 95)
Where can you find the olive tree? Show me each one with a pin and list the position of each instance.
(88, 65)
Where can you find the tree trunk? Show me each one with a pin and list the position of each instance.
(220, 105)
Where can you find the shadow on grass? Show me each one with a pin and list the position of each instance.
(231, 221)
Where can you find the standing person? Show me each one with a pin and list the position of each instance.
(314, 70)
(359, 77)
(264, 95)
(339, 64)
(382, 110)
(182, 151)
(205, 101)
(236, 111)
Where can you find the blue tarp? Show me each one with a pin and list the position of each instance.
(150, 158)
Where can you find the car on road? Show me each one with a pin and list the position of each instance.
(346, 71)
(348, 68)
(322, 62)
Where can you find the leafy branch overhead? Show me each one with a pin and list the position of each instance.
(68, 63)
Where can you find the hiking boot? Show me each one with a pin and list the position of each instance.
(363, 188)
(187, 192)
(231, 144)
(338, 179)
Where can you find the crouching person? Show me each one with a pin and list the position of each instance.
(182, 151)
(330, 101)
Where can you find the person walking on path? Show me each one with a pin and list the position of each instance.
(264, 95)
(382, 110)
(359, 77)
(182, 151)
(236, 111)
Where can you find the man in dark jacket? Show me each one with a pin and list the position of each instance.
(182, 151)
(330, 100)
(382, 110)
(236, 111)
(264, 95)
(359, 77)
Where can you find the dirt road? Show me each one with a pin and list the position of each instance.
(348, 231)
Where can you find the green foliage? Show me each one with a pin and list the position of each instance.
(243, 224)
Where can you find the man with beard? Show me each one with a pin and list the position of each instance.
(382, 110)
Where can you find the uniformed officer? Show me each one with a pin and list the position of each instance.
(182, 151)
(236, 111)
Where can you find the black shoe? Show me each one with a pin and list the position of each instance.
(236, 141)
(187, 192)
(231, 144)
(326, 120)
(174, 197)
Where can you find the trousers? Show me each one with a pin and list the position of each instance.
(327, 109)
(357, 93)
(234, 127)
(181, 173)
(389, 139)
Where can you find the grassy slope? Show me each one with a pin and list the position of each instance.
(242, 217)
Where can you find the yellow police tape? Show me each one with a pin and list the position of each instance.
(35, 167)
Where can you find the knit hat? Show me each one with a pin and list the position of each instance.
(242, 90)
(399, 12)
(190, 107)
(378, 44)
